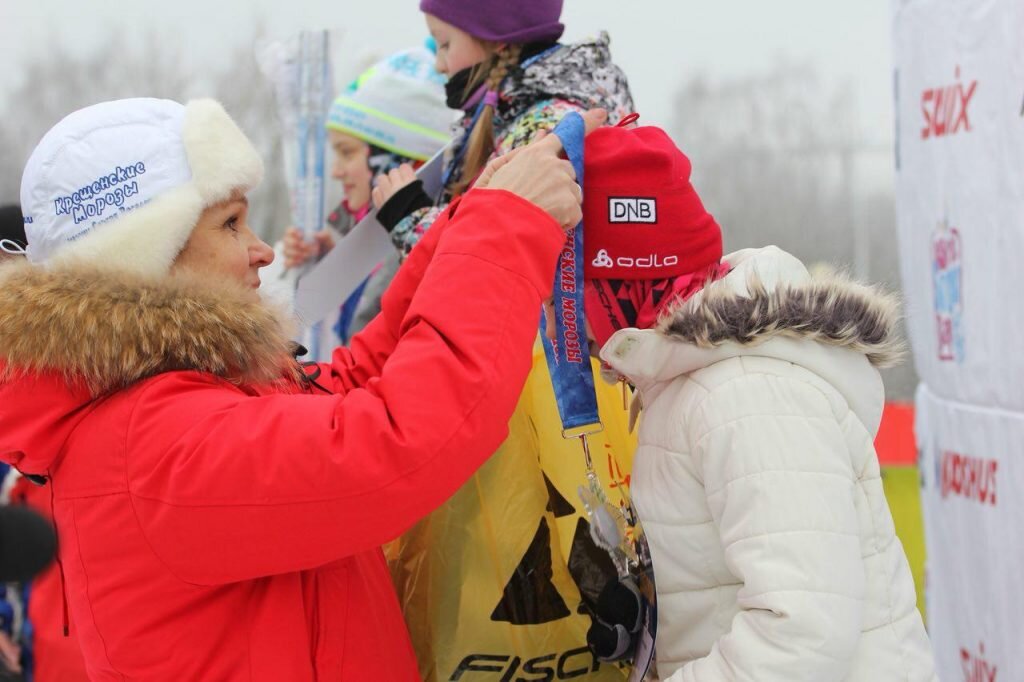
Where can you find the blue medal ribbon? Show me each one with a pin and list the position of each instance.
(573, 380)
(569, 357)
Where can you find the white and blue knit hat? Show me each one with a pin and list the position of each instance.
(397, 105)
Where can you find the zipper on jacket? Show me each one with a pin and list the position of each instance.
(60, 564)
(311, 377)
(308, 378)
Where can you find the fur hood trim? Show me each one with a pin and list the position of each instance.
(829, 308)
(110, 330)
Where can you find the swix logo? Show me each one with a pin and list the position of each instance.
(571, 664)
(975, 667)
(947, 110)
(603, 260)
(632, 210)
(969, 477)
(947, 279)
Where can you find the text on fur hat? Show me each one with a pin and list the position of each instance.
(90, 200)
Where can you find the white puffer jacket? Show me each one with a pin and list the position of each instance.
(758, 485)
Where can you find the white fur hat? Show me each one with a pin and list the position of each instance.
(122, 184)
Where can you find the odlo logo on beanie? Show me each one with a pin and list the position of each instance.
(652, 260)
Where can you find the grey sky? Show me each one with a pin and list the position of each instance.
(657, 42)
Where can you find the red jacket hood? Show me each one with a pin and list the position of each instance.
(60, 355)
(38, 411)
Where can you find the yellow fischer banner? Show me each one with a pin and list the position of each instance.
(495, 585)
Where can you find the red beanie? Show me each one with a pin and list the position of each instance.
(641, 216)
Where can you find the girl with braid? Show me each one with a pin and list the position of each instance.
(509, 75)
(503, 571)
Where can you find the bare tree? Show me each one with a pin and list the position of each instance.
(249, 98)
(55, 83)
(763, 148)
(777, 159)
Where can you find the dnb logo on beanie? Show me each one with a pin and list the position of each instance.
(119, 158)
(632, 210)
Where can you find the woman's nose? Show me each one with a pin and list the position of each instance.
(261, 255)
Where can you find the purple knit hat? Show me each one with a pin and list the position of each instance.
(501, 21)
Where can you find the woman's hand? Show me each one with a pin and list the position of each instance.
(387, 185)
(298, 252)
(539, 174)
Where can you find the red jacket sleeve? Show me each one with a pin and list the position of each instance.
(228, 486)
(353, 365)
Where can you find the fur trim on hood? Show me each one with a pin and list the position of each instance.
(829, 308)
(110, 330)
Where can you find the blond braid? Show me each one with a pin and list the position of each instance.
(481, 139)
(505, 60)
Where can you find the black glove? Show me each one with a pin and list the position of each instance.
(616, 621)
(403, 203)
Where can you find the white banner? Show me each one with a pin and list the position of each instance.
(971, 467)
(960, 194)
(959, 87)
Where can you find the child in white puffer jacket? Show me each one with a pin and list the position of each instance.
(756, 479)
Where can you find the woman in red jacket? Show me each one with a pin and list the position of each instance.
(219, 511)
